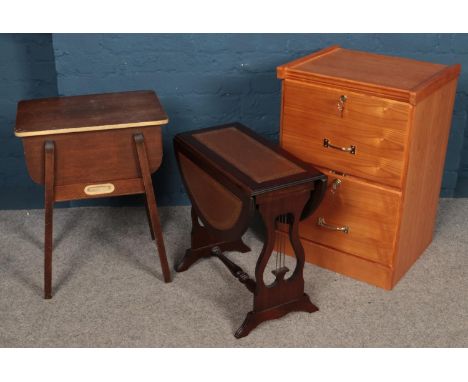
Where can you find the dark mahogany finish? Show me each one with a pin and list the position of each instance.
(110, 142)
(230, 173)
(88, 111)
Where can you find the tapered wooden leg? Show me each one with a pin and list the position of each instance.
(49, 175)
(151, 204)
(149, 219)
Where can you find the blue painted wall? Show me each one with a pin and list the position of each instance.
(27, 70)
(204, 80)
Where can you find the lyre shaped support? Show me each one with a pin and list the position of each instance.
(283, 295)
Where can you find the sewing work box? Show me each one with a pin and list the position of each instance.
(93, 146)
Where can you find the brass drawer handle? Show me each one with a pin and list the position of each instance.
(322, 223)
(351, 149)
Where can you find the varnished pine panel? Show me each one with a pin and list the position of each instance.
(396, 78)
(397, 115)
(381, 70)
(368, 210)
(377, 127)
(428, 144)
(346, 264)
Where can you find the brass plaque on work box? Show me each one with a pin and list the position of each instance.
(99, 189)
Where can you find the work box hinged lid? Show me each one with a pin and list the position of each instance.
(390, 77)
(93, 112)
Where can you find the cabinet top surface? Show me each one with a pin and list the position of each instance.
(394, 77)
(92, 112)
(254, 163)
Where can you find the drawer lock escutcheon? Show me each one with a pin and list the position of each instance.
(99, 189)
(322, 223)
(335, 185)
(341, 104)
(351, 149)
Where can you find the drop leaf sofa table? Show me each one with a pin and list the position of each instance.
(230, 172)
(378, 126)
(92, 146)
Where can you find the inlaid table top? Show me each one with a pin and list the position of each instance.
(92, 112)
(250, 161)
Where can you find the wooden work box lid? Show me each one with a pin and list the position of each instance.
(245, 159)
(92, 112)
(395, 78)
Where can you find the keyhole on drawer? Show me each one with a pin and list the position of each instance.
(335, 185)
(341, 104)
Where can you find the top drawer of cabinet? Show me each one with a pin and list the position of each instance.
(345, 131)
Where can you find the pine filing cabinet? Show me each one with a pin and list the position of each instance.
(378, 126)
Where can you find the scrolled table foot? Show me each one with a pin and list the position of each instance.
(255, 318)
(249, 324)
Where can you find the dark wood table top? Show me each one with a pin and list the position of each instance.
(92, 112)
(247, 159)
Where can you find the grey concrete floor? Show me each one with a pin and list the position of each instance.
(108, 289)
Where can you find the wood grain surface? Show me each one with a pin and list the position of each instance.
(369, 211)
(221, 190)
(93, 156)
(93, 146)
(377, 128)
(393, 122)
(92, 112)
(428, 145)
(347, 264)
(391, 77)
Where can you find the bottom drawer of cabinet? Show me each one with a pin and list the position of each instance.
(348, 265)
(355, 217)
